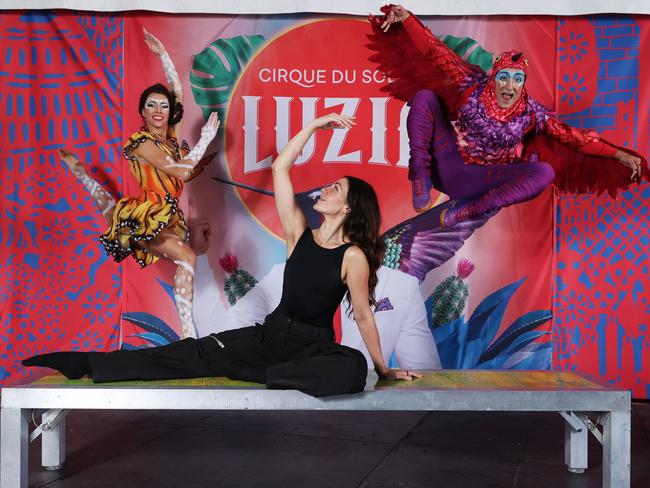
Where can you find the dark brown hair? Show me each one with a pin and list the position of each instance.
(361, 227)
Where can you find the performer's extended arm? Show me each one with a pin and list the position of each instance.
(157, 47)
(148, 152)
(431, 48)
(589, 142)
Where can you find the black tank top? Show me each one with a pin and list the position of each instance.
(312, 289)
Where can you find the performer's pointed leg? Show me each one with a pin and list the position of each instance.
(421, 126)
(183, 294)
(512, 184)
(171, 247)
(103, 199)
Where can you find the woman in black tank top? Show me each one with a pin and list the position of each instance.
(295, 347)
(349, 231)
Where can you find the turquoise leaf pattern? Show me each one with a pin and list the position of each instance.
(216, 69)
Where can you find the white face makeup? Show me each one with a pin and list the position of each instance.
(156, 111)
(508, 86)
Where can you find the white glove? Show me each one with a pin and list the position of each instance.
(208, 131)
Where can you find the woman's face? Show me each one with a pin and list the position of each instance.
(508, 86)
(334, 198)
(156, 111)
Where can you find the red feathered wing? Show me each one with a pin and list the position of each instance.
(440, 69)
(575, 171)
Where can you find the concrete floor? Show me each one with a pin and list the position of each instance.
(326, 449)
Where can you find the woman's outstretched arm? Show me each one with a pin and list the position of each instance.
(291, 217)
(356, 272)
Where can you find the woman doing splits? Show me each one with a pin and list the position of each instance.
(295, 347)
(151, 225)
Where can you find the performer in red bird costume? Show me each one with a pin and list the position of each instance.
(481, 139)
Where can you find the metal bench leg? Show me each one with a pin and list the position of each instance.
(576, 436)
(616, 450)
(14, 446)
(53, 439)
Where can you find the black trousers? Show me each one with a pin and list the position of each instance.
(282, 353)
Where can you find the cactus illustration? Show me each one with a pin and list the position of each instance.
(476, 343)
(239, 282)
(449, 297)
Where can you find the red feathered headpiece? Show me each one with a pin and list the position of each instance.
(506, 60)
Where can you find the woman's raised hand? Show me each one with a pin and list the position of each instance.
(153, 43)
(209, 130)
(334, 121)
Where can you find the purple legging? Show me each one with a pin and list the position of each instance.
(434, 155)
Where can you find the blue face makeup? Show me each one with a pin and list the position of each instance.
(517, 77)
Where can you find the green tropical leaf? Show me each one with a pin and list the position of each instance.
(216, 69)
(469, 50)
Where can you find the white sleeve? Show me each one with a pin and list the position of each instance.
(253, 307)
(415, 347)
(209, 313)
(249, 309)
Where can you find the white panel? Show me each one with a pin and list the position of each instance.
(358, 7)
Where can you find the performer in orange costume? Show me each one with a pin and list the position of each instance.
(151, 225)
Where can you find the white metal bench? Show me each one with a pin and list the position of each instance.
(585, 406)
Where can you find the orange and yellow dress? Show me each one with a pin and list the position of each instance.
(156, 209)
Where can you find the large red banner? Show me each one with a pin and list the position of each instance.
(66, 84)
